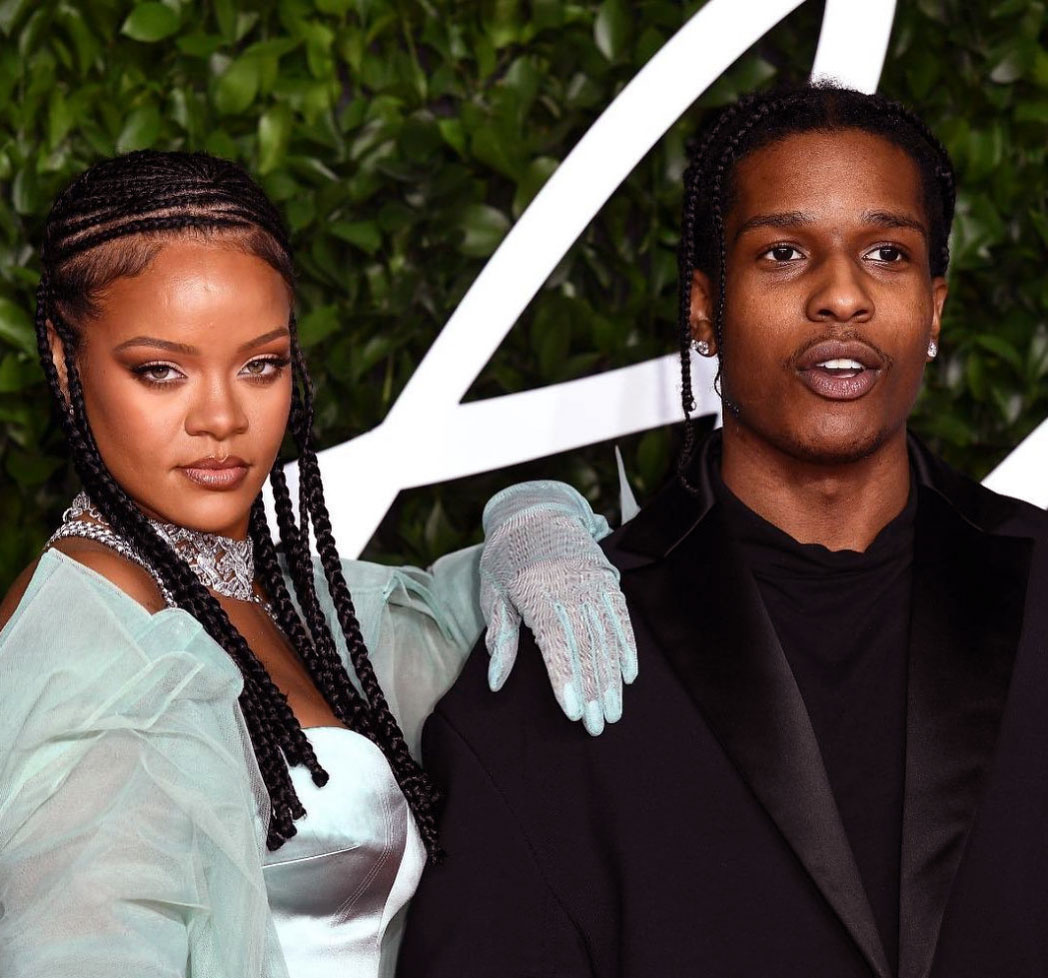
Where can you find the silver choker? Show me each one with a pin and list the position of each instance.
(222, 564)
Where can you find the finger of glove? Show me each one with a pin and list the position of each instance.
(618, 618)
(557, 639)
(501, 638)
(601, 684)
(611, 681)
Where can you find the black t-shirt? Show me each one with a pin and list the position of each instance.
(843, 620)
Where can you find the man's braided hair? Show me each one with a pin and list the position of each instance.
(110, 223)
(758, 120)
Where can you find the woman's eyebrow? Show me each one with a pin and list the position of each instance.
(273, 334)
(171, 347)
(158, 344)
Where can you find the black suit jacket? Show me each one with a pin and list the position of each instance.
(699, 835)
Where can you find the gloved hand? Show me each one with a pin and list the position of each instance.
(541, 563)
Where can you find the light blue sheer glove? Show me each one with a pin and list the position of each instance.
(541, 563)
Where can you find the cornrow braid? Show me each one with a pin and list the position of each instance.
(106, 224)
(756, 121)
(413, 781)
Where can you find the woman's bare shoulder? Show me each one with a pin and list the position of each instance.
(133, 580)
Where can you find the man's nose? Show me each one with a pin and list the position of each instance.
(839, 293)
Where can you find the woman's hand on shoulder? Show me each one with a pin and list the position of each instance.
(542, 564)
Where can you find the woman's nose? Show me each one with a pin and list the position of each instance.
(217, 412)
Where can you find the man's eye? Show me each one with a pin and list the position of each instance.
(783, 253)
(888, 254)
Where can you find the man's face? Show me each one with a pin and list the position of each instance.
(829, 302)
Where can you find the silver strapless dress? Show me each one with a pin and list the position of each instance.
(336, 887)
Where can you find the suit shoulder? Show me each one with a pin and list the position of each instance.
(501, 723)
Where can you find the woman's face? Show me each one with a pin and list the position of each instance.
(187, 382)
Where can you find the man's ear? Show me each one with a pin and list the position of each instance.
(701, 314)
(939, 293)
(58, 358)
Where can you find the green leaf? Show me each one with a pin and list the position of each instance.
(10, 11)
(25, 191)
(484, 228)
(140, 130)
(237, 87)
(199, 45)
(1000, 346)
(1034, 110)
(274, 131)
(534, 179)
(226, 16)
(16, 327)
(1009, 69)
(612, 28)
(60, 118)
(30, 468)
(363, 234)
(150, 22)
(17, 373)
(318, 324)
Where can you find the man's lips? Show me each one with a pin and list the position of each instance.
(215, 473)
(840, 370)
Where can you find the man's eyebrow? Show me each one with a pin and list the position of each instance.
(784, 219)
(158, 344)
(273, 334)
(892, 219)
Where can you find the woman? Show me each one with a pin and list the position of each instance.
(161, 664)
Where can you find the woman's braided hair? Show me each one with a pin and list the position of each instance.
(758, 120)
(110, 222)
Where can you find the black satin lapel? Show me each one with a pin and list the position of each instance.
(704, 609)
(968, 595)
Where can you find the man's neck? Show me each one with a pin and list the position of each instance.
(842, 506)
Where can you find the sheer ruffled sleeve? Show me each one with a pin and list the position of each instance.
(130, 839)
(418, 625)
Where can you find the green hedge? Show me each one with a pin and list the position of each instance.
(403, 138)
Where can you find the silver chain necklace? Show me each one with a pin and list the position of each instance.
(222, 564)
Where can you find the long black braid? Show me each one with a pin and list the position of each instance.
(756, 121)
(110, 222)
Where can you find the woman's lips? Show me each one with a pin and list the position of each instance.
(210, 473)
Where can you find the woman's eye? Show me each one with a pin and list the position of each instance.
(888, 254)
(783, 253)
(264, 368)
(157, 373)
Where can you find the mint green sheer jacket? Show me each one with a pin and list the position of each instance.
(131, 807)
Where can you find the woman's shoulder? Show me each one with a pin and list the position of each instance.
(129, 578)
(75, 637)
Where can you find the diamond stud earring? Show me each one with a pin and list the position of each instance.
(933, 348)
(701, 347)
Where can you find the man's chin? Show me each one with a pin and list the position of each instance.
(837, 449)
(833, 446)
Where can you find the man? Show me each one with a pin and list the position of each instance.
(833, 761)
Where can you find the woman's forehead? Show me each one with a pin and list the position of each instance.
(204, 290)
